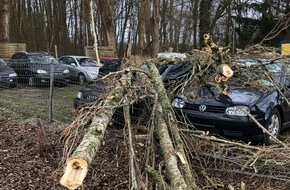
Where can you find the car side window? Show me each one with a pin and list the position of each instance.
(63, 60)
(18, 60)
(71, 61)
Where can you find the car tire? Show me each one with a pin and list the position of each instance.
(273, 125)
(13, 85)
(31, 81)
(82, 78)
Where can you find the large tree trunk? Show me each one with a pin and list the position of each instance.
(155, 28)
(108, 22)
(141, 26)
(4, 20)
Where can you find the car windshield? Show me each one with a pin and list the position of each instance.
(259, 72)
(42, 59)
(274, 71)
(87, 62)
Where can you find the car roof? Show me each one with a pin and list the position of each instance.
(77, 56)
(32, 53)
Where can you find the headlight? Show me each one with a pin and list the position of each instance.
(178, 103)
(66, 71)
(13, 75)
(79, 95)
(39, 71)
(237, 110)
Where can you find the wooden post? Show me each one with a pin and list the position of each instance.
(94, 33)
(50, 106)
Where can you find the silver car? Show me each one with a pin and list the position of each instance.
(82, 69)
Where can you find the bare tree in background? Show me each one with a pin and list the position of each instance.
(155, 28)
(4, 20)
(141, 26)
(106, 12)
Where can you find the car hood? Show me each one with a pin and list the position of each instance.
(47, 67)
(90, 69)
(6, 70)
(238, 96)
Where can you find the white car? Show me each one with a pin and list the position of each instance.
(82, 69)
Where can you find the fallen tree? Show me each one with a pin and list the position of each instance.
(175, 156)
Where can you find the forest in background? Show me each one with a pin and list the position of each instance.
(142, 27)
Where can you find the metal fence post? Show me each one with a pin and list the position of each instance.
(50, 107)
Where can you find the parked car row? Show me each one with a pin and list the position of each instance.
(226, 115)
(36, 68)
(265, 97)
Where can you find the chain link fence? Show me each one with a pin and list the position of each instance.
(33, 94)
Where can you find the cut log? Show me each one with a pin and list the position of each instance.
(76, 172)
(225, 70)
(77, 165)
(224, 73)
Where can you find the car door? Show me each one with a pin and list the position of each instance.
(71, 65)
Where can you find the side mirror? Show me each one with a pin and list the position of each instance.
(73, 64)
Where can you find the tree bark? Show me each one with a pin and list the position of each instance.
(4, 20)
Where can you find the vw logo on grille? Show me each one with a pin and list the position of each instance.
(202, 108)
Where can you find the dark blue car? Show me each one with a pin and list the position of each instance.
(262, 90)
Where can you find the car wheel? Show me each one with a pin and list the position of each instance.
(13, 85)
(273, 125)
(82, 79)
(31, 82)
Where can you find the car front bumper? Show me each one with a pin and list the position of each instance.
(6, 82)
(224, 125)
(43, 79)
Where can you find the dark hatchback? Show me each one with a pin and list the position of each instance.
(34, 68)
(265, 98)
(8, 77)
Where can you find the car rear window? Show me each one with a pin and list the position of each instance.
(42, 59)
(87, 62)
